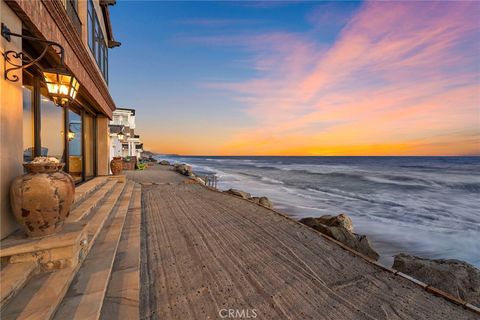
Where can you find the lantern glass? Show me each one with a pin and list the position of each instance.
(61, 85)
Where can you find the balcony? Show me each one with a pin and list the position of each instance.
(72, 6)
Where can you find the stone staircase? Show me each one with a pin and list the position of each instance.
(89, 270)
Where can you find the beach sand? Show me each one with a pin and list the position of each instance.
(205, 253)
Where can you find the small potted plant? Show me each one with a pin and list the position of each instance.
(41, 199)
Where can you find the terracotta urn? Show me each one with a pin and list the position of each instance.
(41, 199)
(116, 165)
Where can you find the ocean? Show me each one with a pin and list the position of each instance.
(425, 206)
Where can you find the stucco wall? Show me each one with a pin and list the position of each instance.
(10, 124)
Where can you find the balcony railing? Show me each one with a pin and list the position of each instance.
(71, 6)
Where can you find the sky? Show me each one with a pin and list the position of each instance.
(300, 78)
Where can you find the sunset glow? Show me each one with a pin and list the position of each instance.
(380, 78)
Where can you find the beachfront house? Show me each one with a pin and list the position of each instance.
(124, 142)
(55, 102)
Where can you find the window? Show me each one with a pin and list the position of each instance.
(75, 158)
(72, 11)
(28, 118)
(52, 131)
(96, 40)
(49, 130)
(89, 127)
(90, 26)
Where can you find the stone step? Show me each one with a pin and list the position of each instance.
(43, 293)
(85, 296)
(95, 223)
(13, 277)
(122, 300)
(88, 204)
(40, 296)
(83, 190)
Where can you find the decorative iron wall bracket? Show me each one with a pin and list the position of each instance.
(26, 60)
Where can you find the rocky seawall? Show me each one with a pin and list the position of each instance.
(457, 278)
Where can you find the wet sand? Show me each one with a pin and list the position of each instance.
(205, 253)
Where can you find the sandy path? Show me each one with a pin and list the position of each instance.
(203, 252)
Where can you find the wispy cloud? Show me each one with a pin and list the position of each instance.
(214, 22)
(401, 78)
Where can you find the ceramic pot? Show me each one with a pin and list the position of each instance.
(42, 198)
(116, 165)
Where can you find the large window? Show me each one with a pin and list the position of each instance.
(75, 154)
(52, 133)
(28, 118)
(89, 127)
(49, 130)
(72, 11)
(96, 40)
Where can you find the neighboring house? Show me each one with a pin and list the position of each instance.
(122, 133)
(32, 124)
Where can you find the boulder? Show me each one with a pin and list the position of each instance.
(164, 163)
(199, 180)
(311, 222)
(255, 199)
(455, 277)
(184, 169)
(342, 220)
(339, 232)
(239, 193)
(264, 201)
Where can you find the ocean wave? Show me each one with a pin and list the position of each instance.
(468, 187)
(270, 180)
(355, 196)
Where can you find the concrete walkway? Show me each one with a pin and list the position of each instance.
(208, 255)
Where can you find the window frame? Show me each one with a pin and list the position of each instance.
(96, 41)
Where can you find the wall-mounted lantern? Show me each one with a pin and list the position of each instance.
(61, 84)
(120, 136)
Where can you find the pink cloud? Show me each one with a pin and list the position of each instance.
(398, 71)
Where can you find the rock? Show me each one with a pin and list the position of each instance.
(340, 233)
(164, 163)
(455, 277)
(264, 201)
(342, 220)
(184, 169)
(255, 199)
(199, 180)
(239, 193)
(365, 247)
(311, 222)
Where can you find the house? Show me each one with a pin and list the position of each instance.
(55, 102)
(32, 123)
(123, 140)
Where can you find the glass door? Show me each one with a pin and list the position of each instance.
(51, 128)
(89, 127)
(75, 145)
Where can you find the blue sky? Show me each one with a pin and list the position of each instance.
(200, 74)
